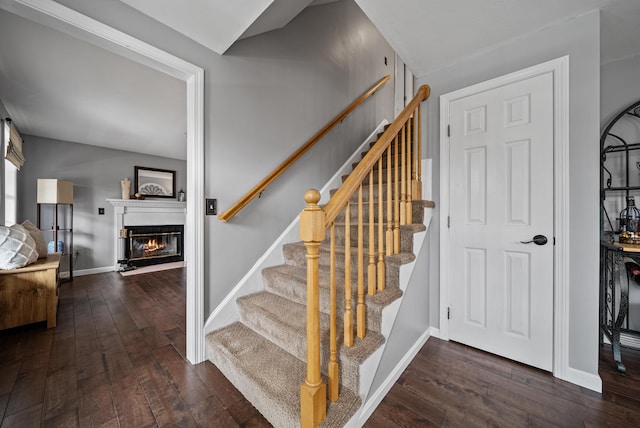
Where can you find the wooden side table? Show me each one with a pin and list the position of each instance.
(30, 294)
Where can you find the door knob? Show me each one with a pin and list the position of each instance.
(538, 240)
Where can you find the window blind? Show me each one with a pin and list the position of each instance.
(14, 148)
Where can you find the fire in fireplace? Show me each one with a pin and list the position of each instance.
(148, 245)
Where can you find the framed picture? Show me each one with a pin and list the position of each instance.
(154, 182)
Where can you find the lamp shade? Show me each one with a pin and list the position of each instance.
(52, 191)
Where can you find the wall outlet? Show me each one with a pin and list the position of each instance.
(100, 211)
(212, 207)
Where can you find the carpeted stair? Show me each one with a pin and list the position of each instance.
(263, 354)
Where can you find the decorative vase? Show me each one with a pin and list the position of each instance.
(125, 183)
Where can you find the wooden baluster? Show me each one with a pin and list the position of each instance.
(417, 185)
(396, 205)
(333, 346)
(348, 314)
(410, 172)
(313, 392)
(389, 204)
(371, 268)
(360, 309)
(380, 201)
(403, 175)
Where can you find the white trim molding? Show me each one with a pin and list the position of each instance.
(69, 21)
(560, 69)
(584, 379)
(93, 271)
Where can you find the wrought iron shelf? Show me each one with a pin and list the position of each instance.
(614, 282)
(621, 146)
(614, 189)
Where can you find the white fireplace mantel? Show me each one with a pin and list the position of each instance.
(135, 212)
(154, 204)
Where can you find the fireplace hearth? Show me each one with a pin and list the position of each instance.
(149, 245)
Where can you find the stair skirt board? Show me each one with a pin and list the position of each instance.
(260, 343)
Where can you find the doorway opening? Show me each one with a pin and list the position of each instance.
(62, 18)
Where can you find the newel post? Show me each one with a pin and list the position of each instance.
(313, 392)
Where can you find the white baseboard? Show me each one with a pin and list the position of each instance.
(374, 399)
(584, 379)
(92, 271)
(434, 332)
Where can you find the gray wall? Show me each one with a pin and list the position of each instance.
(303, 76)
(619, 87)
(580, 39)
(264, 98)
(96, 173)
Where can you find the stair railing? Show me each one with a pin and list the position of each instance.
(259, 188)
(398, 151)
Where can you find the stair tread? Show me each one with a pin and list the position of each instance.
(261, 360)
(300, 274)
(293, 316)
(270, 377)
(415, 227)
(400, 258)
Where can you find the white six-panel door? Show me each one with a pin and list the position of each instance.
(501, 195)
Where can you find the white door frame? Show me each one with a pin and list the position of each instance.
(62, 18)
(560, 69)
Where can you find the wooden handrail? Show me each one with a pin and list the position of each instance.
(355, 178)
(258, 188)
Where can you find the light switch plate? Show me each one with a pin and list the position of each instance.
(212, 208)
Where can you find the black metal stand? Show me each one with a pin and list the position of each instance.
(613, 276)
(66, 232)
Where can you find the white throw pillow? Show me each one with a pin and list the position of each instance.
(41, 246)
(17, 247)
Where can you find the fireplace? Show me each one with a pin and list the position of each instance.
(150, 245)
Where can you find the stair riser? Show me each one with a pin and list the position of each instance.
(384, 164)
(365, 193)
(392, 142)
(271, 406)
(247, 388)
(417, 213)
(385, 157)
(376, 179)
(294, 342)
(406, 238)
(295, 289)
(294, 254)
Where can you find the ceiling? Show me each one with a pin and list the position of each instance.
(432, 34)
(54, 85)
(57, 86)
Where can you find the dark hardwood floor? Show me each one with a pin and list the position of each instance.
(117, 359)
